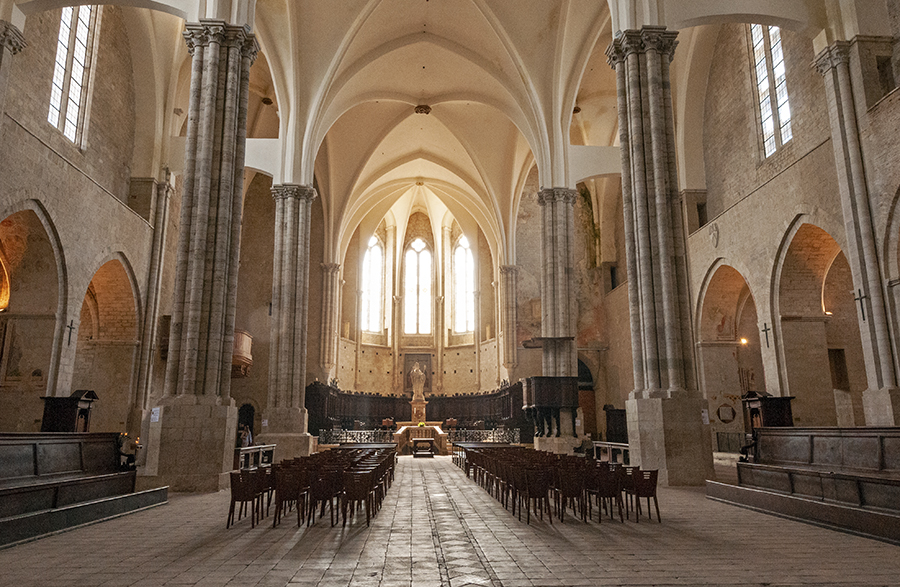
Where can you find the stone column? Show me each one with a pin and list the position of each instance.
(149, 335)
(196, 426)
(665, 426)
(881, 399)
(558, 306)
(11, 43)
(331, 313)
(509, 276)
(286, 405)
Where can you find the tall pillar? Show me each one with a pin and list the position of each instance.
(509, 276)
(193, 432)
(11, 43)
(558, 307)
(665, 426)
(331, 313)
(285, 410)
(881, 399)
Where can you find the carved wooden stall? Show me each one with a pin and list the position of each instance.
(330, 408)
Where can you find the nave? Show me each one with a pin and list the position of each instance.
(437, 528)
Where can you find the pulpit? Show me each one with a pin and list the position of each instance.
(68, 414)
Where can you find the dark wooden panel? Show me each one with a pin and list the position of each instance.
(58, 458)
(16, 460)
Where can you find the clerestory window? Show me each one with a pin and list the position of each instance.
(771, 87)
(463, 287)
(372, 287)
(417, 289)
(71, 74)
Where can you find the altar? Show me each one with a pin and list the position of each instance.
(407, 432)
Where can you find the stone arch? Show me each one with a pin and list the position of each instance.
(818, 340)
(108, 338)
(30, 327)
(729, 351)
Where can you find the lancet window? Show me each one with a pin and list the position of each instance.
(71, 74)
(771, 87)
(463, 287)
(417, 288)
(373, 287)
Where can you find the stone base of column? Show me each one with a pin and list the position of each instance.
(287, 430)
(190, 445)
(668, 434)
(881, 406)
(560, 445)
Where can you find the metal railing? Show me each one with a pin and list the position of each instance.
(506, 436)
(356, 436)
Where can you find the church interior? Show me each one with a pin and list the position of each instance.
(296, 216)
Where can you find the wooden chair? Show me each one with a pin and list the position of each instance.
(603, 483)
(325, 487)
(645, 486)
(626, 486)
(359, 489)
(570, 492)
(287, 492)
(538, 482)
(243, 491)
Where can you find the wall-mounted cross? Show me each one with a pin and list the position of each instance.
(71, 327)
(765, 330)
(859, 298)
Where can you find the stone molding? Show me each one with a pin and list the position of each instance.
(509, 269)
(295, 191)
(330, 268)
(551, 195)
(11, 37)
(209, 31)
(830, 57)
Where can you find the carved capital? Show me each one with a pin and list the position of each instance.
(201, 34)
(657, 38)
(292, 190)
(830, 57)
(509, 270)
(331, 268)
(624, 44)
(552, 195)
(11, 38)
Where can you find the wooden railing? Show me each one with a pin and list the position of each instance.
(614, 452)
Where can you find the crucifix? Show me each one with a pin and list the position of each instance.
(765, 330)
(71, 327)
(859, 298)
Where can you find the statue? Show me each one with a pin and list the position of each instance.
(417, 378)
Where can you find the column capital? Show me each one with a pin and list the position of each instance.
(653, 38)
(331, 268)
(837, 53)
(295, 191)
(563, 195)
(11, 37)
(509, 270)
(201, 34)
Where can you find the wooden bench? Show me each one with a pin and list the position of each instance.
(848, 478)
(46, 478)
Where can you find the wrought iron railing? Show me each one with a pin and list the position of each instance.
(356, 436)
(507, 436)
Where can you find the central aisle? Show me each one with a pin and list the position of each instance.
(438, 529)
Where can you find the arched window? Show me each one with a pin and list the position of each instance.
(417, 289)
(463, 287)
(372, 290)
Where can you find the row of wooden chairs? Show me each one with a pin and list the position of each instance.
(514, 475)
(346, 479)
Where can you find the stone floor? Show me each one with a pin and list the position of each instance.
(437, 528)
